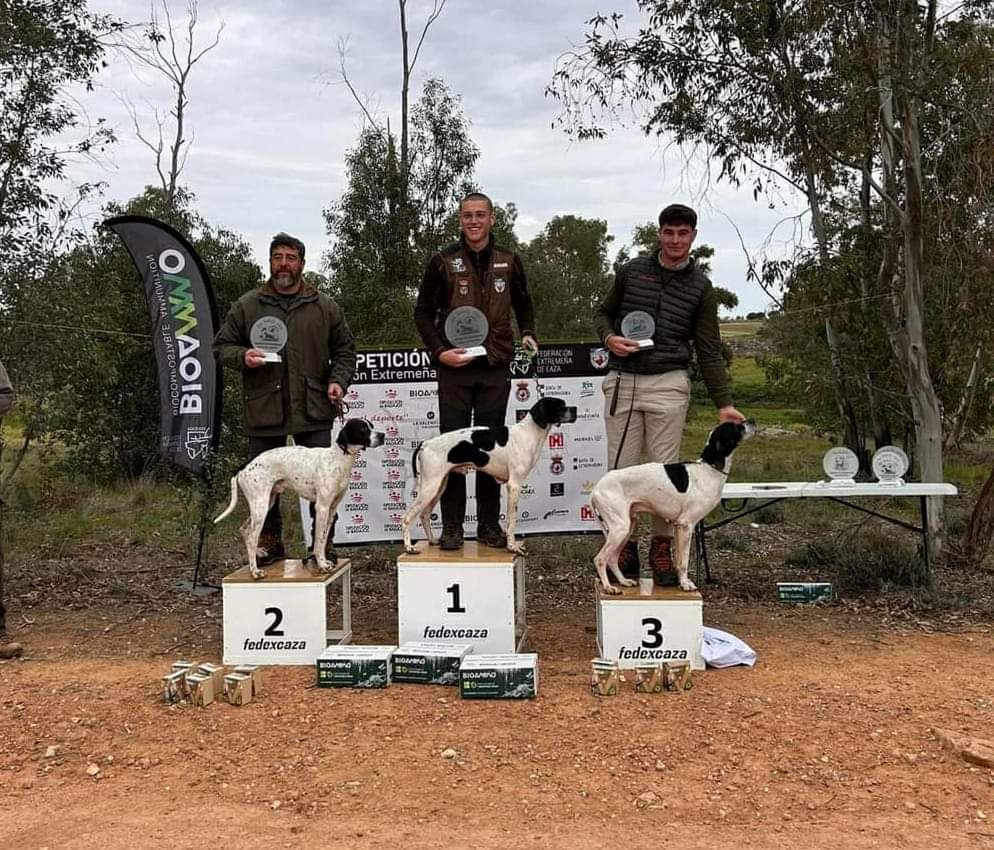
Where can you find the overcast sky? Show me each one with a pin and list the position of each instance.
(271, 127)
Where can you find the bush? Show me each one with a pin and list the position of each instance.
(873, 563)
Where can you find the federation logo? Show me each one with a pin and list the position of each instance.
(357, 497)
(391, 393)
(392, 454)
(358, 519)
(557, 488)
(598, 357)
(392, 431)
(522, 393)
(355, 476)
(556, 466)
(587, 513)
(557, 441)
(396, 496)
(393, 475)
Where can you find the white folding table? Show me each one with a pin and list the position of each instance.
(769, 493)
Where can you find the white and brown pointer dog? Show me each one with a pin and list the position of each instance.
(507, 454)
(319, 475)
(681, 493)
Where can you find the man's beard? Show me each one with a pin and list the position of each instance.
(285, 283)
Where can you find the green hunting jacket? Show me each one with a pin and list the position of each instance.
(292, 396)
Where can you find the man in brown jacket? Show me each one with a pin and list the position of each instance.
(299, 390)
(473, 390)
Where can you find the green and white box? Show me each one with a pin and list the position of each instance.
(804, 591)
(429, 663)
(354, 667)
(512, 676)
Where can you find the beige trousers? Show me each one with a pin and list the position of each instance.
(658, 414)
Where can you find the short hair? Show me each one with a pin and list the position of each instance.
(678, 214)
(287, 240)
(477, 196)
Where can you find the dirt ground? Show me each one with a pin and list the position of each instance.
(826, 743)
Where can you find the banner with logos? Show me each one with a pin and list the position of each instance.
(396, 391)
(184, 316)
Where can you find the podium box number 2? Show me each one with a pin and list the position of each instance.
(666, 626)
(473, 595)
(283, 618)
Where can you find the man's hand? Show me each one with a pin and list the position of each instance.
(621, 346)
(730, 414)
(335, 393)
(254, 358)
(528, 342)
(455, 357)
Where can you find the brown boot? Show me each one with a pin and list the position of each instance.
(628, 560)
(661, 561)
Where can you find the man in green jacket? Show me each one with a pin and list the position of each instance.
(297, 357)
(647, 391)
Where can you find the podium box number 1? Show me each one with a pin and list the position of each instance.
(283, 618)
(473, 595)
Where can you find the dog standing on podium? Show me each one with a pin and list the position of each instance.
(319, 475)
(681, 493)
(507, 454)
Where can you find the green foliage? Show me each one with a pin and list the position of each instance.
(872, 562)
(46, 47)
(567, 266)
(392, 217)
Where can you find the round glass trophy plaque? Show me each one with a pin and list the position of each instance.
(889, 464)
(639, 327)
(467, 327)
(840, 465)
(269, 335)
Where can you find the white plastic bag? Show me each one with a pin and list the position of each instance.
(720, 649)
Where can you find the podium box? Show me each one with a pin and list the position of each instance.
(473, 595)
(283, 618)
(666, 626)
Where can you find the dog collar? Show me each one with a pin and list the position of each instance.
(715, 468)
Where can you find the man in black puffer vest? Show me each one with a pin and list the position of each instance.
(474, 272)
(647, 391)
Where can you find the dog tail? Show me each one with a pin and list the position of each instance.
(414, 459)
(234, 499)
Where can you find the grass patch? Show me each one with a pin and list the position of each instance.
(873, 563)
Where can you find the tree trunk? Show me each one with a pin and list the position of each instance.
(980, 531)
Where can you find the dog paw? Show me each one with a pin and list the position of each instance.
(257, 573)
(687, 585)
(611, 590)
(516, 548)
(411, 550)
(627, 582)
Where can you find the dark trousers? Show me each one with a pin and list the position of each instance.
(472, 395)
(272, 528)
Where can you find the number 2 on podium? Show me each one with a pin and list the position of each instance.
(455, 607)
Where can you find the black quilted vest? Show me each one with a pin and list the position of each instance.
(673, 298)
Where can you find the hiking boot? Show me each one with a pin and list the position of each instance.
(628, 560)
(492, 535)
(451, 537)
(661, 561)
(269, 551)
(11, 650)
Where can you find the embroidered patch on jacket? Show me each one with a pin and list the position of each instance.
(457, 265)
(500, 265)
(463, 288)
(499, 285)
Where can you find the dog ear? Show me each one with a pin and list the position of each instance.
(343, 437)
(540, 412)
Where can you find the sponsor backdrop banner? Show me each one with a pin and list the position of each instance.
(183, 313)
(396, 391)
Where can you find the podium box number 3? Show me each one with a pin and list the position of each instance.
(666, 626)
(473, 595)
(283, 618)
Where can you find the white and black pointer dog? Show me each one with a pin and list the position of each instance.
(507, 454)
(319, 475)
(681, 493)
